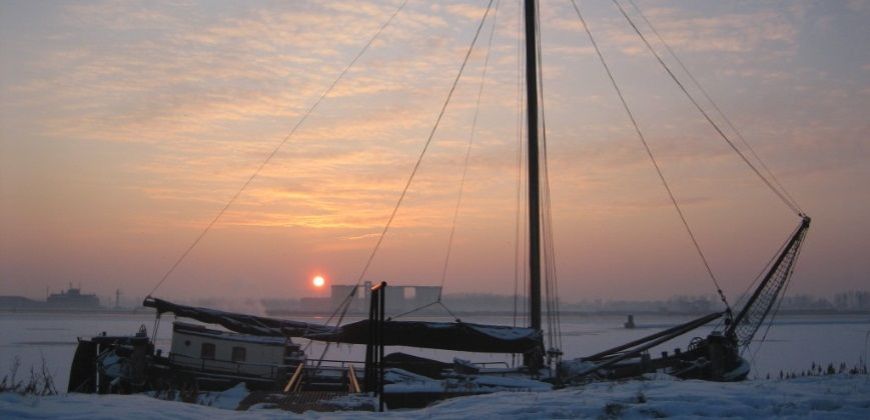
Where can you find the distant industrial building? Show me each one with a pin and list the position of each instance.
(398, 298)
(73, 298)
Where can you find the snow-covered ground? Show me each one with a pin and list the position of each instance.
(792, 345)
(825, 397)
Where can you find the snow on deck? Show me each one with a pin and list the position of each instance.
(826, 397)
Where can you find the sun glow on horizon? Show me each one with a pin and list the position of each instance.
(318, 281)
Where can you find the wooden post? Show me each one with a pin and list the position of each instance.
(293, 384)
(382, 296)
(353, 382)
(374, 380)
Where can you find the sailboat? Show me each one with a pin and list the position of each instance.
(412, 380)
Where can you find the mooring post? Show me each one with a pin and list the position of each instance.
(383, 300)
(374, 380)
(369, 374)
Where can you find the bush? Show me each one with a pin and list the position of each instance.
(39, 383)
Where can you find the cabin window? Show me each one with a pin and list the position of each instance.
(239, 354)
(207, 351)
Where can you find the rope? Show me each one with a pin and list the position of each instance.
(413, 310)
(277, 148)
(769, 324)
(341, 311)
(548, 301)
(519, 243)
(745, 295)
(551, 278)
(778, 305)
(463, 178)
(456, 318)
(652, 157)
(704, 113)
(468, 151)
(426, 145)
(716, 107)
(519, 261)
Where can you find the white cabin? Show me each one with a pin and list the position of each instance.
(197, 347)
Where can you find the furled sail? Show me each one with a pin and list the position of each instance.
(240, 323)
(459, 336)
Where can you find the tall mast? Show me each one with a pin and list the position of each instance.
(534, 189)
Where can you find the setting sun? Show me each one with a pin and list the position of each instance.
(318, 281)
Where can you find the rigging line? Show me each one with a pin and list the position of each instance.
(417, 164)
(716, 107)
(278, 147)
(524, 272)
(344, 306)
(522, 181)
(551, 279)
(542, 177)
(549, 249)
(443, 306)
(764, 269)
(519, 162)
(521, 244)
(549, 231)
(704, 113)
(769, 322)
(449, 311)
(779, 304)
(468, 151)
(743, 297)
(651, 156)
(420, 308)
(774, 314)
(519, 274)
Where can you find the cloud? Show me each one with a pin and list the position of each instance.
(466, 11)
(688, 32)
(165, 109)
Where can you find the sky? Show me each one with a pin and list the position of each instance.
(126, 126)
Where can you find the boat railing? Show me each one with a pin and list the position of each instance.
(336, 369)
(280, 371)
(343, 364)
(265, 370)
(488, 364)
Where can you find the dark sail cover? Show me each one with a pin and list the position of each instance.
(459, 336)
(240, 323)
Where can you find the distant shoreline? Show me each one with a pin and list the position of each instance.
(505, 313)
(99, 311)
(623, 313)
